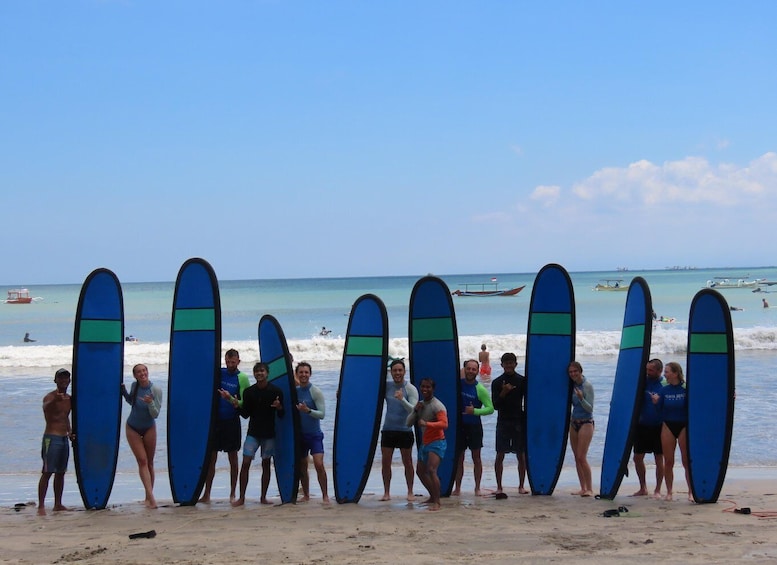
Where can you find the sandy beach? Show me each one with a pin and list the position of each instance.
(523, 528)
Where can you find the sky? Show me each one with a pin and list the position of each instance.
(341, 138)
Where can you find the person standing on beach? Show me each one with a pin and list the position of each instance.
(431, 415)
(672, 402)
(262, 401)
(227, 434)
(476, 402)
(484, 357)
(145, 398)
(55, 446)
(508, 392)
(401, 398)
(310, 403)
(581, 426)
(647, 435)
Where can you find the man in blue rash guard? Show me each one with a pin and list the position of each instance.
(647, 436)
(310, 403)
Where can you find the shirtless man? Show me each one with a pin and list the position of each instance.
(55, 449)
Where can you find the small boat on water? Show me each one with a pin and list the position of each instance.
(611, 285)
(486, 289)
(719, 283)
(18, 296)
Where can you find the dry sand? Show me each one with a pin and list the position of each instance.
(522, 528)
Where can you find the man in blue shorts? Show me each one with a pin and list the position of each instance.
(508, 392)
(647, 435)
(430, 414)
(262, 401)
(310, 404)
(55, 447)
(227, 433)
(476, 402)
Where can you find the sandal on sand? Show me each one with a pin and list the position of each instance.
(149, 534)
(611, 513)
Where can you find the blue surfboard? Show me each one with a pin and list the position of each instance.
(628, 387)
(360, 397)
(274, 351)
(550, 347)
(710, 384)
(434, 352)
(195, 367)
(98, 366)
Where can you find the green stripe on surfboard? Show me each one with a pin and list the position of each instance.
(551, 323)
(277, 368)
(709, 343)
(432, 329)
(364, 345)
(632, 337)
(195, 319)
(100, 331)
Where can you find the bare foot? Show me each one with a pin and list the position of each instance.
(150, 504)
(477, 491)
(690, 497)
(668, 497)
(41, 511)
(434, 507)
(204, 499)
(410, 497)
(303, 499)
(657, 495)
(238, 502)
(456, 492)
(640, 492)
(385, 497)
(522, 490)
(587, 493)
(265, 501)
(60, 508)
(577, 493)
(325, 500)
(232, 498)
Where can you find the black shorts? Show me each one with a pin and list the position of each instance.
(396, 439)
(471, 437)
(647, 439)
(226, 435)
(510, 437)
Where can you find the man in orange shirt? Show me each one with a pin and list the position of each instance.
(431, 415)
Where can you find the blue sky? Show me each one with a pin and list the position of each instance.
(354, 138)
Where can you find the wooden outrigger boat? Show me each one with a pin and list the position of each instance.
(611, 285)
(18, 296)
(486, 289)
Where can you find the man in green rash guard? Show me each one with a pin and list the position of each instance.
(227, 434)
(476, 402)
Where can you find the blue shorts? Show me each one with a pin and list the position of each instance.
(312, 444)
(437, 447)
(251, 445)
(55, 452)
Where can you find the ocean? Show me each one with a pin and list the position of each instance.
(305, 306)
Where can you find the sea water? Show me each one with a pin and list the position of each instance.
(305, 306)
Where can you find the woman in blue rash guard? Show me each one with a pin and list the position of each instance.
(672, 402)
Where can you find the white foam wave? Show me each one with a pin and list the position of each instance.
(666, 341)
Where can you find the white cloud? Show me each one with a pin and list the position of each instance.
(546, 194)
(690, 180)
